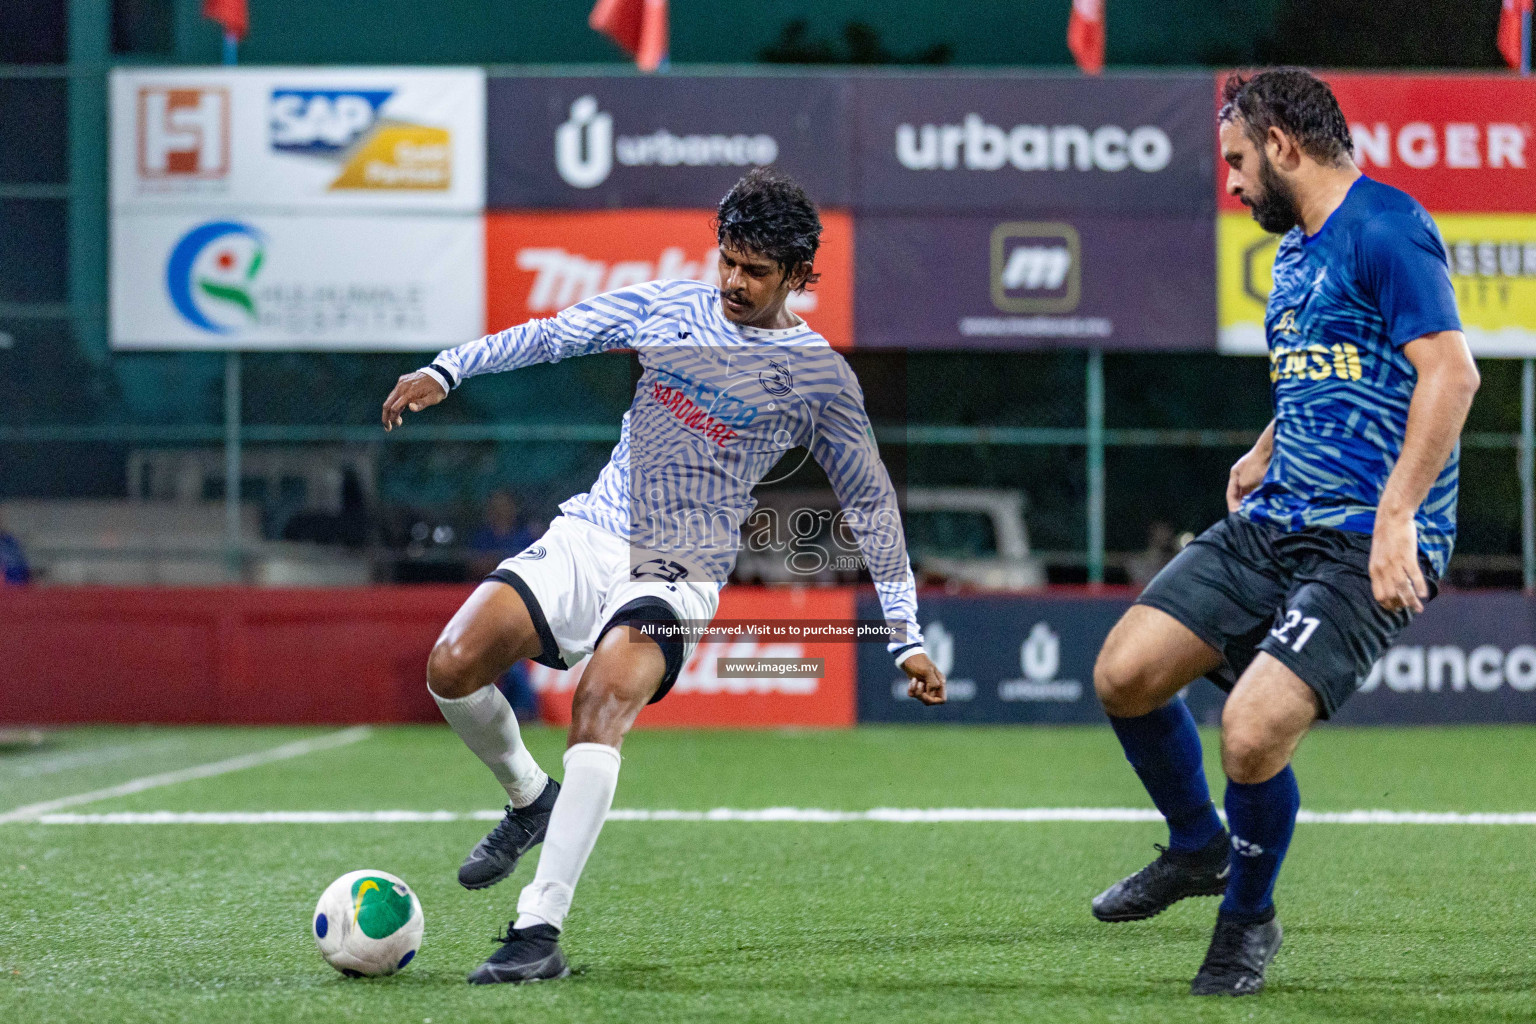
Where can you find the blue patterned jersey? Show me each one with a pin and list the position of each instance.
(1345, 302)
(717, 406)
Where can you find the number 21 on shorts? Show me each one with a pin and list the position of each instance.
(1294, 618)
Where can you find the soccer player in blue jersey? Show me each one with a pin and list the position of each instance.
(731, 381)
(1341, 520)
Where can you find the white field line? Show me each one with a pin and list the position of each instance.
(91, 757)
(896, 815)
(299, 748)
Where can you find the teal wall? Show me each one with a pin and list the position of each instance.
(1031, 32)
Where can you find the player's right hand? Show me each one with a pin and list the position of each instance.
(1246, 474)
(414, 391)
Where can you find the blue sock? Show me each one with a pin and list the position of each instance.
(1262, 817)
(1164, 748)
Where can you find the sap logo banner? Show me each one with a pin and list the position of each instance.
(1036, 268)
(372, 152)
(323, 121)
(295, 282)
(183, 135)
(661, 142)
(274, 140)
(1010, 659)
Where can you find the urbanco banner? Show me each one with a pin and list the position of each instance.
(1008, 658)
(363, 283)
(1137, 145)
(298, 138)
(1470, 657)
(667, 141)
(538, 263)
(1129, 283)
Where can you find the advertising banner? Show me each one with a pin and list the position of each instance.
(1462, 147)
(1009, 658)
(1493, 267)
(1456, 143)
(667, 141)
(1139, 145)
(996, 282)
(539, 263)
(278, 281)
(279, 138)
(704, 697)
(1471, 657)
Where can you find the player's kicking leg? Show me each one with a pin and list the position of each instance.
(1147, 659)
(1266, 716)
(625, 673)
(491, 632)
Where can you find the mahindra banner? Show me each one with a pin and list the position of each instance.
(705, 697)
(1034, 144)
(1471, 657)
(1464, 147)
(353, 138)
(276, 281)
(664, 141)
(539, 263)
(1014, 282)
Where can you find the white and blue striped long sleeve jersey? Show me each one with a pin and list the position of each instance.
(716, 407)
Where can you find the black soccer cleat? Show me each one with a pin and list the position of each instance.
(1173, 876)
(496, 856)
(1235, 963)
(527, 954)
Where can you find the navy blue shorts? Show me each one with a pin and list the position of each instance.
(1303, 597)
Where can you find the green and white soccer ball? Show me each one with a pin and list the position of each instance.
(368, 923)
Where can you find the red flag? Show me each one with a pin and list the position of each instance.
(1085, 34)
(640, 26)
(1510, 19)
(231, 14)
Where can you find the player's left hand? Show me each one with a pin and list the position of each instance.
(1397, 582)
(413, 391)
(927, 683)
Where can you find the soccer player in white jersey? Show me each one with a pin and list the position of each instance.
(631, 571)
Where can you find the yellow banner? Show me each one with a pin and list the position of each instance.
(1493, 266)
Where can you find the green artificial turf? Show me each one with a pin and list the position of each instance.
(756, 921)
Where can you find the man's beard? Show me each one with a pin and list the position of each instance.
(1275, 208)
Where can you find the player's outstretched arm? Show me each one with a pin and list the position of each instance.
(845, 448)
(412, 392)
(1248, 472)
(1448, 379)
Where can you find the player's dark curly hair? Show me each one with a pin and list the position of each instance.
(1295, 101)
(768, 214)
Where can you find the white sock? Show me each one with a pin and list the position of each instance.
(485, 722)
(591, 775)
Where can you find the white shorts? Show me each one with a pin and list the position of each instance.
(578, 576)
